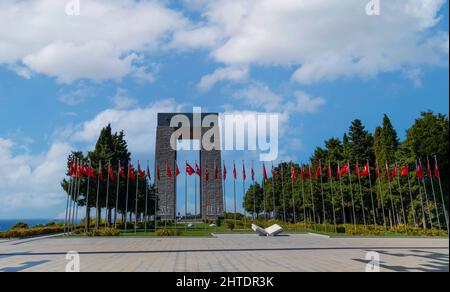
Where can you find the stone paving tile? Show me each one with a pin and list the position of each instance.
(234, 253)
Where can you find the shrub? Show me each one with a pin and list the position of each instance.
(27, 232)
(104, 232)
(169, 232)
(230, 225)
(20, 225)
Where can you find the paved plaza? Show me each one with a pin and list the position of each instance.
(225, 253)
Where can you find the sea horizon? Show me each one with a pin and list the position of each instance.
(6, 224)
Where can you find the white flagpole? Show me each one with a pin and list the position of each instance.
(157, 177)
(146, 200)
(274, 212)
(117, 197)
(361, 195)
(412, 202)
(185, 197)
(88, 215)
(136, 202)
(126, 199)
(424, 218)
(224, 191)
(401, 199)
(371, 195)
(312, 196)
(426, 197)
(107, 195)
(434, 194)
(303, 195)
(235, 201)
(254, 194)
(392, 200)
(323, 197)
(75, 194)
(293, 194)
(381, 197)
(282, 193)
(195, 191)
(442, 194)
(243, 195)
(98, 190)
(351, 194)
(69, 190)
(342, 196)
(332, 195)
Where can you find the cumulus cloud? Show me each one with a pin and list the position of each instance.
(106, 41)
(122, 99)
(327, 40)
(31, 181)
(233, 73)
(139, 125)
(259, 95)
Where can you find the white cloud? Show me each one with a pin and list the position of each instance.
(77, 95)
(328, 39)
(258, 95)
(31, 181)
(105, 42)
(122, 100)
(139, 125)
(234, 73)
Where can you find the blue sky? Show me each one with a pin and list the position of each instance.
(64, 78)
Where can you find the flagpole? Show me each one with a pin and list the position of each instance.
(234, 187)
(323, 197)
(76, 202)
(117, 196)
(411, 198)
(274, 212)
(332, 195)
(342, 195)
(165, 196)
(401, 199)
(264, 195)
(224, 193)
(88, 215)
(243, 194)
(381, 196)
(312, 197)
(195, 192)
(361, 194)
(146, 198)
(157, 178)
(424, 218)
(254, 194)
(136, 201)
(98, 189)
(69, 190)
(107, 194)
(434, 194)
(126, 199)
(71, 195)
(426, 196)
(185, 198)
(442, 193)
(293, 195)
(392, 200)
(76, 194)
(371, 195)
(282, 192)
(303, 196)
(351, 194)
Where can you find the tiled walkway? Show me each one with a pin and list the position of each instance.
(234, 253)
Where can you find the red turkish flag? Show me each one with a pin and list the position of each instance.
(244, 175)
(330, 174)
(436, 169)
(148, 173)
(189, 170)
(121, 172)
(293, 174)
(428, 168)
(319, 171)
(216, 172)
(234, 172)
(207, 174)
(405, 170)
(309, 172)
(111, 173)
(252, 173)
(345, 169)
(168, 170)
(273, 172)
(131, 173)
(158, 173)
(365, 171)
(91, 172)
(394, 171)
(419, 172)
(357, 170)
(224, 175)
(264, 172)
(198, 171)
(100, 172)
(177, 170)
(140, 172)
